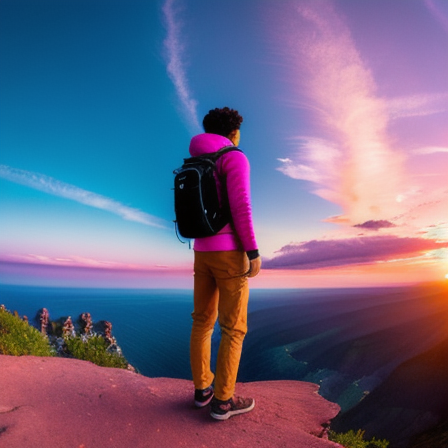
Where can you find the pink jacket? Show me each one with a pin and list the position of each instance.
(234, 167)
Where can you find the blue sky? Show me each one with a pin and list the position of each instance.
(345, 110)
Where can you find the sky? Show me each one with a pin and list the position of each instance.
(345, 107)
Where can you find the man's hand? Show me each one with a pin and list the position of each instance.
(255, 266)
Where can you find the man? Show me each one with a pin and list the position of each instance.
(222, 265)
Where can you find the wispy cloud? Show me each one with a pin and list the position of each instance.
(39, 270)
(352, 162)
(175, 63)
(57, 188)
(439, 10)
(430, 150)
(316, 163)
(79, 262)
(350, 251)
(417, 105)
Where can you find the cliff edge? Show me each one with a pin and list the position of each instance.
(67, 403)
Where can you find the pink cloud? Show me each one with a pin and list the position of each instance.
(375, 225)
(360, 150)
(41, 272)
(353, 162)
(341, 252)
(352, 156)
(78, 262)
(418, 105)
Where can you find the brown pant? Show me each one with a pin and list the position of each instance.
(220, 289)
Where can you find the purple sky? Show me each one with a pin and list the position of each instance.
(345, 105)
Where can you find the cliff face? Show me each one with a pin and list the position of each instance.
(57, 402)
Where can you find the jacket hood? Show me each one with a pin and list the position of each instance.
(207, 143)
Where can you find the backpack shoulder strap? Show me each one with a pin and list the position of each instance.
(220, 153)
(211, 157)
(225, 150)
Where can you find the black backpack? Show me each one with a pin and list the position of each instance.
(196, 204)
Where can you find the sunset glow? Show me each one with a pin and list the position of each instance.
(345, 114)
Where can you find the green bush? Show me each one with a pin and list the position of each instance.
(18, 338)
(94, 349)
(352, 439)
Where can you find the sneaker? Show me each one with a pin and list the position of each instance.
(202, 397)
(222, 410)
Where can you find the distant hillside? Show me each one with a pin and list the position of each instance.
(382, 355)
(413, 400)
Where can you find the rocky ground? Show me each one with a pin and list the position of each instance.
(67, 403)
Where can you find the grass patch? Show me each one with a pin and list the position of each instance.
(94, 349)
(352, 439)
(18, 338)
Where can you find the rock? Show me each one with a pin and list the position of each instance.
(67, 403)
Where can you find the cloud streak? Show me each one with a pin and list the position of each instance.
(351, 251)
(430, 150)
(55, 187)
(419, 105)
(175, 64)
(81, 262)
(440, 12)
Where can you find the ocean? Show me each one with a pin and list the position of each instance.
(151, 326)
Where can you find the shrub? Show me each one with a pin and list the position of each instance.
(352, 439)
(18, 338)
(94, 349)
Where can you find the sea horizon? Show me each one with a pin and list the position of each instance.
(152, 326)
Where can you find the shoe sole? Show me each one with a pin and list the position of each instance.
(202, 404)
(229, 414)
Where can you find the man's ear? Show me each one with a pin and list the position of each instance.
(234, 136)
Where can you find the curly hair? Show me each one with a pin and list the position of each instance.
(222, 121)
